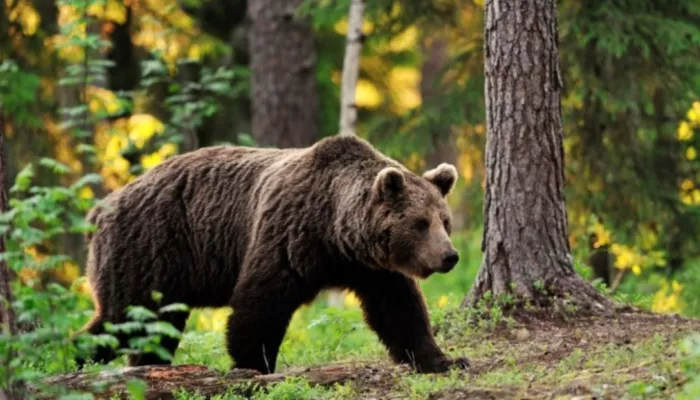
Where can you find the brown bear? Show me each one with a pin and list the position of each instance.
(264, 231)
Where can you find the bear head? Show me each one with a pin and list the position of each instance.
(413, 220)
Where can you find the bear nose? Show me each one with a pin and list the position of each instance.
(449, 260)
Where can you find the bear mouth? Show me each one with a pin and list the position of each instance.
(425, 272)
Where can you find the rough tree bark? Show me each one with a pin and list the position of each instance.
(525, 242)
(283, 84)
(348, 109)
(8, 324)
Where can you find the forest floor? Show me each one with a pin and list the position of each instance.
(629, 355)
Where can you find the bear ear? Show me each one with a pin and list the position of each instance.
(444, 177)
(389, 183)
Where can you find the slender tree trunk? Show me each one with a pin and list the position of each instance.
(525, 243)
(351, 68)
(348, 109)
(8, 324)
(283, 85)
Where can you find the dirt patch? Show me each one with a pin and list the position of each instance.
(547, 357)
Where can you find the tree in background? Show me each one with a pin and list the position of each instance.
(525, 243)
(283, 80)
(8, 322)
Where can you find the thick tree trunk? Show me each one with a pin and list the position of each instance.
(525, 244)
(283, 85)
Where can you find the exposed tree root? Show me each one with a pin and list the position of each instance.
(161, 381)
(566, 294)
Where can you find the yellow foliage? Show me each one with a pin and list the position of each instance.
(27, 275)
(415, 162)
(67, 15)
(442, 302)
(102, 100)
(603, 235)
(82, 285)
(684, 132)
(668, 299)
(86, 193)
(64, 147)
(213, 319)
(691, 197)
(687, 184)
(404, 40)
(630, 258)
(466, 167)
(403, 82)
(367, 95)
(691, 153)
(142, 127)
(149, 161)
(67, 273)
(23, 12)
(110, 10)
(341, 27)
(648, 238)
(351, 300)
(694, 113)
(171, 32)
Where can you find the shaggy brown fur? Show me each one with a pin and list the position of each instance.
(263, 231)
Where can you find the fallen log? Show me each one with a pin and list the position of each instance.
(161, 381)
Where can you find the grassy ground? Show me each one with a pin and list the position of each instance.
(547, 356)
(626, 356)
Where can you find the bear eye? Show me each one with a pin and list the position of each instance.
(422, 224)
(446, 224)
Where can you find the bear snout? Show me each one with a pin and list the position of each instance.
(449, 260)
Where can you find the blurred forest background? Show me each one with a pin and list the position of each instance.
(95, 92)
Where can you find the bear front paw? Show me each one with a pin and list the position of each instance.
(442, 364)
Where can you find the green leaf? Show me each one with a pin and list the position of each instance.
(136, 388)
(125, 327)
(139, 313)
(162, 328)
(24, 179)
(56, 166)
(175, 307)
(89, 179)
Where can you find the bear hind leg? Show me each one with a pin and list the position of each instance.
(262, 309)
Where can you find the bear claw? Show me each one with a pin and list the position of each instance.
(444, 365)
